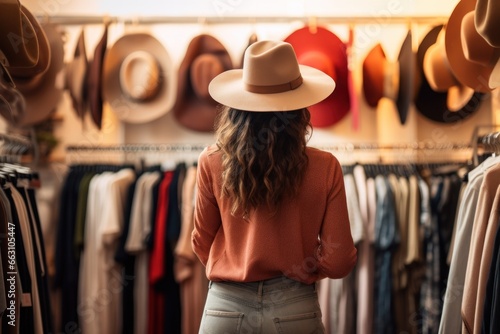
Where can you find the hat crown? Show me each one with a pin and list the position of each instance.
(270, 63)
(204, 68)
(319, 60)
(475, 48)
(436, 67)
(140, 75)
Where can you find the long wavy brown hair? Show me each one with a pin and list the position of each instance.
(263, 155)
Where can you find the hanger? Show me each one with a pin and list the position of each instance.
(313, 24)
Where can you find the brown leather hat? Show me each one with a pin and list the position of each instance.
(373, 75)
(18, 46)
(94, 79)
(76, 74)
(43, 92)
(205, 58)
(19, 41)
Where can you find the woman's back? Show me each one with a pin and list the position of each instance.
(271, 242)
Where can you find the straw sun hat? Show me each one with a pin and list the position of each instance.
(271, 80)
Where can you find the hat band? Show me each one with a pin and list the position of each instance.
(273, 89)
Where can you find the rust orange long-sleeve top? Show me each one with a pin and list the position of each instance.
(306, 239)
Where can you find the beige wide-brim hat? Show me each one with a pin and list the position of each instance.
(138, 78)
(271, 80)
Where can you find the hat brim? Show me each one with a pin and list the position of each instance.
(228, 89)
(494, 80)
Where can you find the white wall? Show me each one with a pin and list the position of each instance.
(380, 125)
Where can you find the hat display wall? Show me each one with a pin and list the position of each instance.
(138, 78)
(487, 21)
(42, 92)
(94, 79)
(469, 73)
(477, 50)
(205, 58)
(440, 97)
(322, 49)
(271, 81)
(19, 43)
(76, 75)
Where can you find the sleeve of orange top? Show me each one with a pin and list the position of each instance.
(336, 253)
(207, 219)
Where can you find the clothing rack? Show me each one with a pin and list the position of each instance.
(411, 152)
(417, 146)
(489, 142)
(137, 153)
(98, 19)
(334, 147)
(419, 150)
(153, 148)
(13, 147)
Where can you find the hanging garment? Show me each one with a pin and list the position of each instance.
(157, 257)
(28, 244)
(486, 197)
(27, 192)
(486, 260)
(140, 228)
(9, 326)
(451, 316)
(430, 298)
(128, 263)
(189, 271)
(66, 262)
(491, 314)
(386, 239)
(100, 284)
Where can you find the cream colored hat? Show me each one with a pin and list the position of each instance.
(138, 78)
(271, 80)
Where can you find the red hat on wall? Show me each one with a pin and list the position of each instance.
(322, 49)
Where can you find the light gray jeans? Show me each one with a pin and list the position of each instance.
(278, 305)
